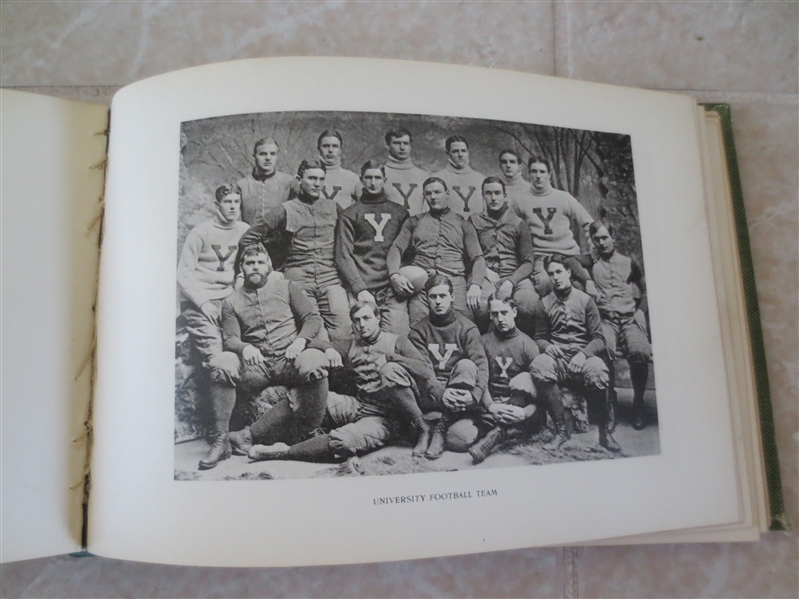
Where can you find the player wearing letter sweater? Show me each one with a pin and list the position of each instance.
(309, 222)
(340, 185)
(364, 235)
(442, 243)
(511, 166)
(206, 274)
(462, 180)
(387, 370)
(452, 344)
(403, 179)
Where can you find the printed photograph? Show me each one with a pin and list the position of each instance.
(373, 293)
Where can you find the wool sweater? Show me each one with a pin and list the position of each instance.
(550, 217)
(404, 185)
(508, 354)
(465, 188)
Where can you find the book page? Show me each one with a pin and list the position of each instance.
(689, 481)
(51, 196)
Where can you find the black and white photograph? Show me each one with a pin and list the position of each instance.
(373, 293)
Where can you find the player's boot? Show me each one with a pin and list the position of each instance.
(436, 448)
(611, 411)
(423, 443)
(550, 394)
(259, 453)
(220, 450)
(241, 441)
(606, 440)
(480, 450)
(639, 373)
(561, 436)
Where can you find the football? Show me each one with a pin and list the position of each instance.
(416, 275)
(462, 435)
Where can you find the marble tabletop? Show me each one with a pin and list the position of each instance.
(743, 53)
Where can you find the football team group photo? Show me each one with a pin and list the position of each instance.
(373, 293)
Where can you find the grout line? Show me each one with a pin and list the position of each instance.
(560, 34)
(571, 589)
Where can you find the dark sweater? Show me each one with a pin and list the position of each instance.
(364, 235)
(510, 355)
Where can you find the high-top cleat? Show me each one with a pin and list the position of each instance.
(561, 436)
(260, 453)
(425, 435)
(639, 419)
(607, 441)
(436, 448)
(220, 450)
(241, 441)
(611, 410)
(480, 450)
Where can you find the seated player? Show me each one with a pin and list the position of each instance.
(309, 224)
(569, 335)
(206, 274)
(364, 235)
(442, 243)
(266, 325)
(452, 343)
(507, 249)
(623, 318)
(388, 372)
(510, 394)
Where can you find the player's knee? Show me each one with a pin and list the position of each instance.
(394, 375)
(225, 368)
(544, 369)
(523, 383)
(640, 353)
(596, 373)
(311, 364)
(465, 368)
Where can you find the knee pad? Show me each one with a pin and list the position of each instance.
(394, 375)
(523, 383)
(544, 369)
(311, 361)
(596, 373)
(225, 368)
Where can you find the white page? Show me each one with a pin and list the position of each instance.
(50, 196)
(691, 483)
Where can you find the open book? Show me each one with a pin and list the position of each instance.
(108, 452)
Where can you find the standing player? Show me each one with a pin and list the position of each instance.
(463, 181)
(364, 235)
(309, 221)
(341, 185)
(568, 332)
(206, 274)
(266, 326)
(551, 213)
(508, 251)
(510, 394)
(511, 167)
(388, 372)
(623, 318)
(443, 243)
(452, 343)
(403, 179)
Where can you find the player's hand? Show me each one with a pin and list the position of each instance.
(366, 296)
(473, 297)
(211, 312)
(590, 288)
(457, 400)
(505, 290)
(293, 350)
(555, 351)
(333, 358)
(575, 365)
(401, 284)
(513, 414)
(252, 356)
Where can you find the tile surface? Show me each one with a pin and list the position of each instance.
(733, 46)
(47, 43)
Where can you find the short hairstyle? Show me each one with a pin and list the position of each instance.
(373, 165)
(493, 179)
(254, 249)
(308, 164)
(557, 259)
(539, 160)
(396, 133)
(597, 225)
(360, 304)
(263, 142)
(329, 133)
(436, 280)
(508, 300)
(455, 138)
(512, 153)
(226, 190)
(431, 180)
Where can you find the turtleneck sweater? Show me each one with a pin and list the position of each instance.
(550, 215)
(341, 185)
(404, 184)
(364, 235)
(516, 186)
(465, 188)
(446, 340)
(509, 354)
(205, 269)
